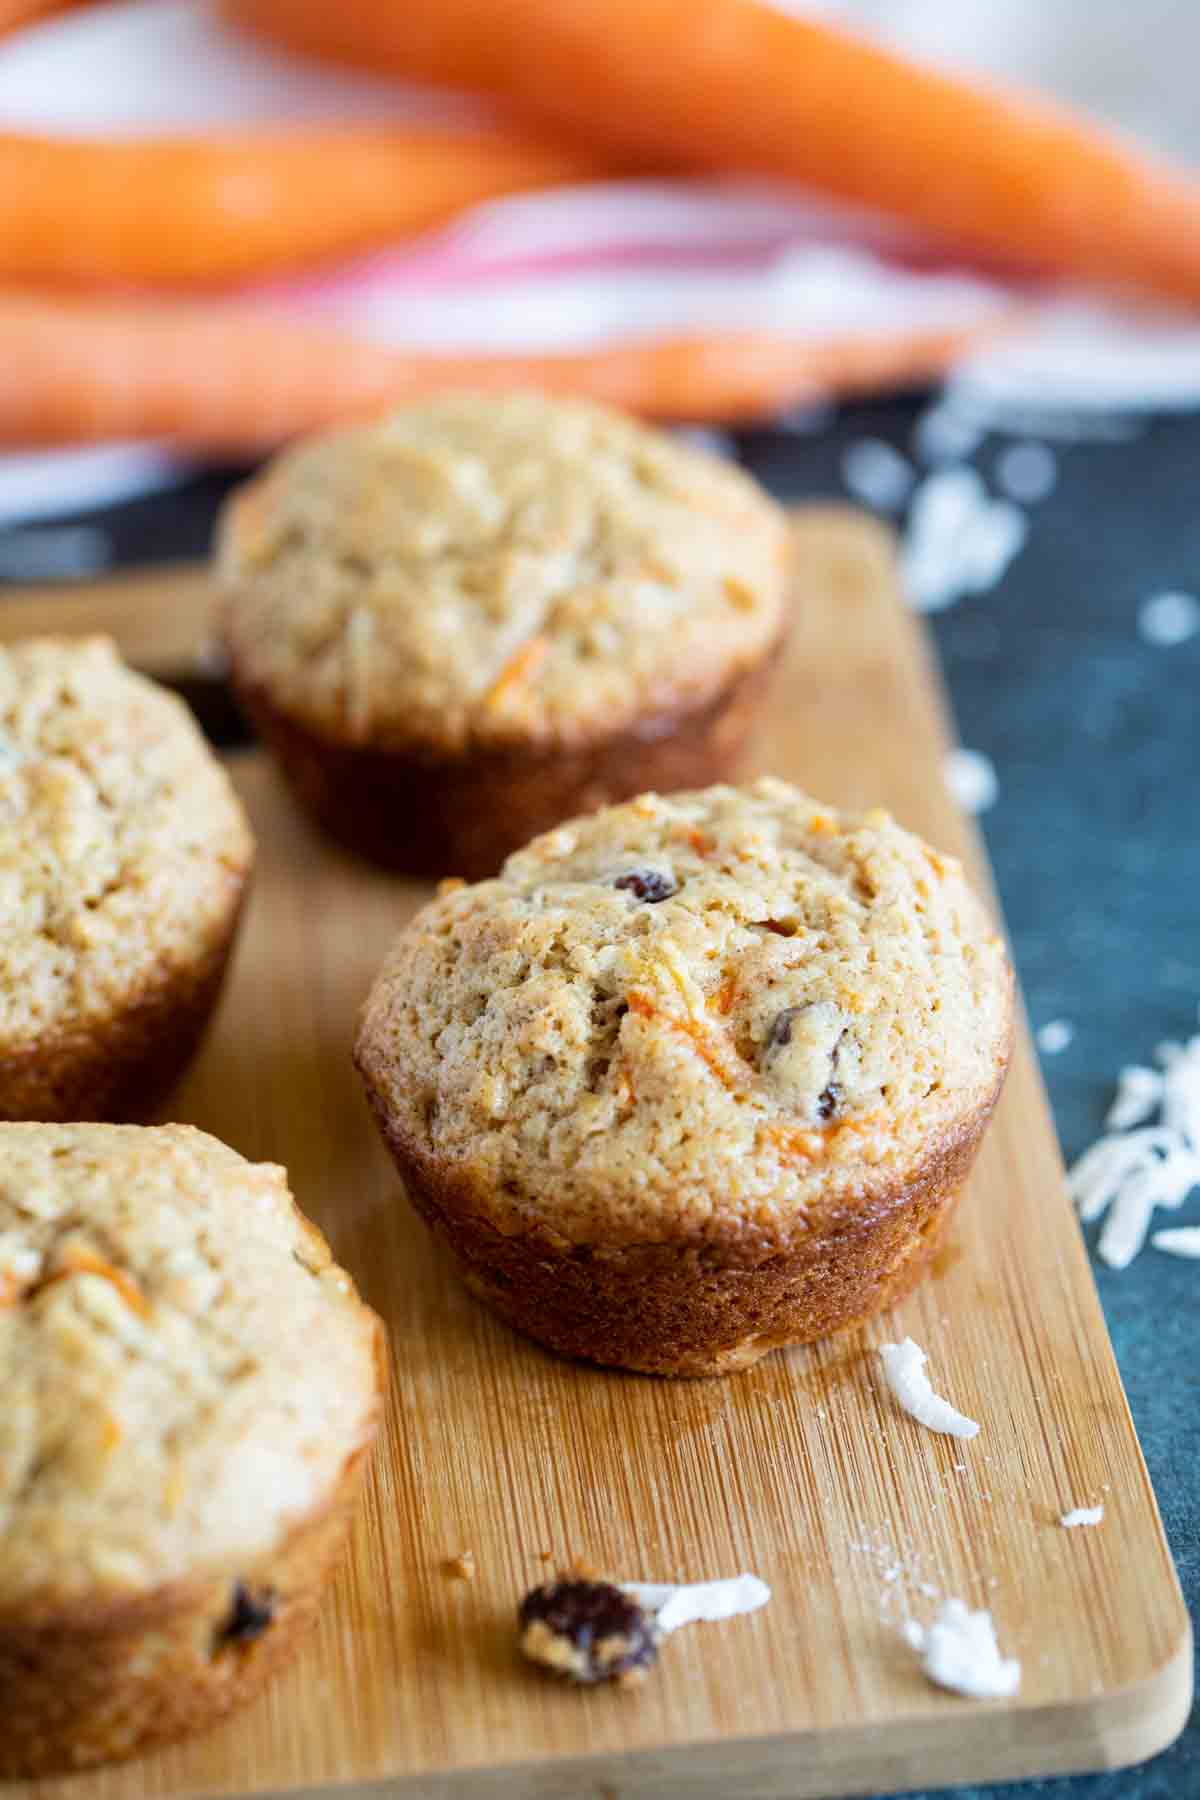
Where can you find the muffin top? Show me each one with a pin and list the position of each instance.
(122, 844)
(490, 570)
(691, 1016)
(185, 1371)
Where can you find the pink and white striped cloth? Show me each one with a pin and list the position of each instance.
(562, 270)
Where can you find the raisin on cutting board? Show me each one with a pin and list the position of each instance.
(587, 1630)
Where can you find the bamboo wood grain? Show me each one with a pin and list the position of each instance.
(801, 1470)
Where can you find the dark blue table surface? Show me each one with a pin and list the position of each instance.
(1095, 839)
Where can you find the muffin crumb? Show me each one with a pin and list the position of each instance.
(460, 1567)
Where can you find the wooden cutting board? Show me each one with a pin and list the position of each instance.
(802, 1470)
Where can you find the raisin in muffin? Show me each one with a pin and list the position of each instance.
(483, 614)
(190, 1389)
(694, 1077)
(124, 859)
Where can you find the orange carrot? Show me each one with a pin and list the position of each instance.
(795, 1144)
(16, 13)
(11, 1289)
(77, 1260)
(736, 84)
(218, 209)
(711, 1051)
(240, 379)
(520, 669)
(727, 994)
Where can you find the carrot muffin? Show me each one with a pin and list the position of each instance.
(124, 859)
(190, 1389)
(461, 624)
(694, 1077)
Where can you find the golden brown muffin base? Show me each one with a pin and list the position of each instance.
(432, 814)
(708, 1307)
(120, 1069)
(84, 1685)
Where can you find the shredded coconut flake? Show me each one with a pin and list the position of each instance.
(1139, 1091)
(672, 1606)
(959, 1651)
(1055, 1036)
(1128, 1221)
(877, 474)
(944, 434)
(1137, 1167)
(1184, 1240)
(904, 1368)
(958, 540)
(1026, 472)
(971, 777)
(1169, 619)
(1082, 1515)
(1181, 1088)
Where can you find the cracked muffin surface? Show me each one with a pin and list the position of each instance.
(124, 854)
(693, 1017)
(483, 570)
(185, 1370)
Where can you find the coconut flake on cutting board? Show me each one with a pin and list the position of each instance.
(904, 1368)
(1082, 1515)
(959, 1651)
(670, 1607)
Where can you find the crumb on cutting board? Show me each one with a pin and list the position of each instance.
(1082, 1515)
(959, 1652)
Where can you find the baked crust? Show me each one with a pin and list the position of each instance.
(436, 814)
(122, 1067)
(711, 1305)
(83, 1686)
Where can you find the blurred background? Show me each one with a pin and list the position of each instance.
(215, 240)
(978, 318)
